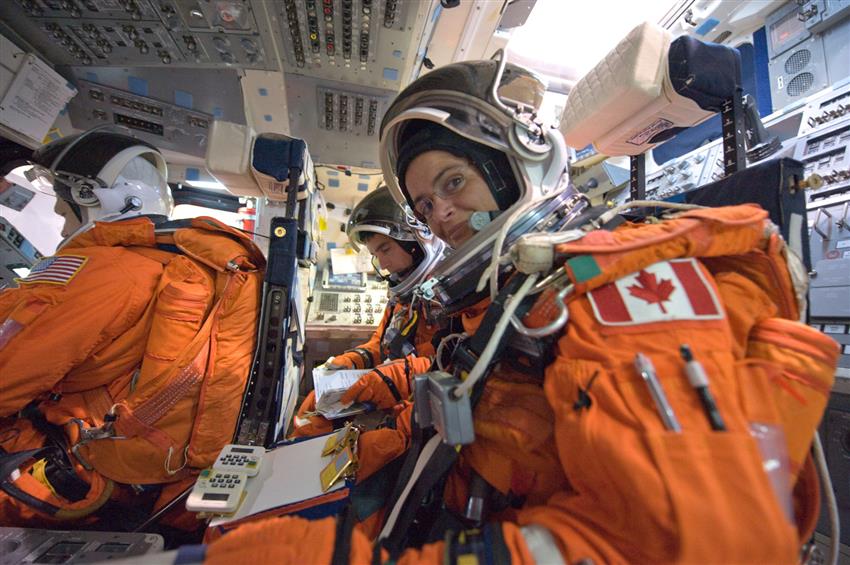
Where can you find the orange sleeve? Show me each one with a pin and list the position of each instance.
(57, 326)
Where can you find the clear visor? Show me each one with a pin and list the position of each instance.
(464, 115)
(357, 233)
(45, 180)
(41, 178)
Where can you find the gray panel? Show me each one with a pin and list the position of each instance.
(363, 42)
(798, 73)
(346, 142)
(785, 29)
(137, 10)
(833, 273)
(830, 302)
(836, 41)
(213, 91)
(804, 63)
(27, 545)
(229, 15)
(114, 42)
(821, 14)
(196, 33)
(240, 50)
(829, 238)
(16, 251)
(164, 125)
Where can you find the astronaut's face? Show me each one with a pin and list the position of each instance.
(445, 191)
(72, 224)
(389, 254)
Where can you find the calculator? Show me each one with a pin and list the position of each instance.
(240, 458)
(217, 491)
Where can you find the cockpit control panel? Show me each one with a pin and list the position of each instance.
(824, 147)
(347, 300)
(17, 255)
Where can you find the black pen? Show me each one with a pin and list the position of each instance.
(699, 380)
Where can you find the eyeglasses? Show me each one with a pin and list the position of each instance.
(451, 187)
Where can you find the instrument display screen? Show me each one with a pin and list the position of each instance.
(786, 32)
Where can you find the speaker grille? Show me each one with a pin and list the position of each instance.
(329, 302)
(800, 84)
(798, 61)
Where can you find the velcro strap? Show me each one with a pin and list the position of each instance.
(390, 384)
(366, 355)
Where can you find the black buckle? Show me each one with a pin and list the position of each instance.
(464, 357)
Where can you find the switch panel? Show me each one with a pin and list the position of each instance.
(164, 125)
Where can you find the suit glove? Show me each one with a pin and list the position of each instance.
(387, 384)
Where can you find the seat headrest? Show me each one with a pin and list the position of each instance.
(251, 164)
(645, 90)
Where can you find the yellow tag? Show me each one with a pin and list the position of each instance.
(52, 135)
(468, 559)
(38, 471)
(323, 224)
(344, 464)
(331, 444)
(348, 436)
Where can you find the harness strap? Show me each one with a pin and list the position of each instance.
(396, 347)
(342, 540)
(423, 469)
(390, 385)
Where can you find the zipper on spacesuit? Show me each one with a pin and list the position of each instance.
(584, 400)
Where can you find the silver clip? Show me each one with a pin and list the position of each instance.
(552, 327)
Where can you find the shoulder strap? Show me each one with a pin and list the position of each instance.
(426, 464)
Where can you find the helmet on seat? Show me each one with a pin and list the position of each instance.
(485, 112)
(103, 175)
(378, 213)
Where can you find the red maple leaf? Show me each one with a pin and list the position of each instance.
(651, 290)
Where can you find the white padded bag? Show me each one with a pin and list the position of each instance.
(229, 157)
(627, 98)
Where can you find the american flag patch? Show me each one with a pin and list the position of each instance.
(59, 269)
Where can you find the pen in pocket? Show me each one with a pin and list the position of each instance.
(646, 370)
(699, 380)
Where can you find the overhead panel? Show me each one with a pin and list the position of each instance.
(167, 126)
(360, 41)
(340, 120)
(344, 61)
(143, 32)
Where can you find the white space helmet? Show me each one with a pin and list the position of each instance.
(104, 175)
(486, 112)
(379, 213)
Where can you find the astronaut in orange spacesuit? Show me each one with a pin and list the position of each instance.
(124, 356)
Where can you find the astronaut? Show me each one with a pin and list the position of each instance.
(403, 253)
(572, 460)
(109, 339)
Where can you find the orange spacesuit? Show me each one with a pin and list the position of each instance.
(132, 348)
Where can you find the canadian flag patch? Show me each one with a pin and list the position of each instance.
(663, 292)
